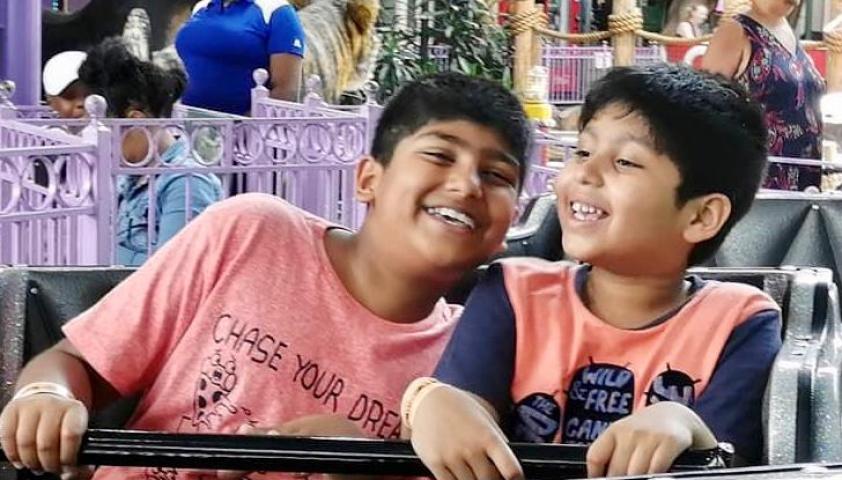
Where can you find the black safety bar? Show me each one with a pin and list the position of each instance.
(128, 448)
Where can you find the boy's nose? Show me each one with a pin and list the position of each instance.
(588, 172)
(465, 181)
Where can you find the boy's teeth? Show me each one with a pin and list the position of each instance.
(453, 216)
(585, 212)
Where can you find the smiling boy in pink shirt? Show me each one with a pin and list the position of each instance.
(260, 314)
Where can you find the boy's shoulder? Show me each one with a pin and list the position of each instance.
(746, 299)
(254, 213)
(729, 303)
(738, 291)
(534, 265)
(258, 206)
(523, 276)
(532, 269)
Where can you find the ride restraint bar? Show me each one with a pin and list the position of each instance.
(127, 448)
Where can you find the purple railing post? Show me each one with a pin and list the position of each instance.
(259, 92)
(312, 184)
(7, 108)
(313, 99)
(97, 248)
(22, 48)
(371, 111)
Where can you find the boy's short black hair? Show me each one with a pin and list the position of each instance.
(453, 96)
(706, 124)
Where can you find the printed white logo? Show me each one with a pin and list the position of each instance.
(296, 43)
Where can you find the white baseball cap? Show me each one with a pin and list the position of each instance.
(62, 70)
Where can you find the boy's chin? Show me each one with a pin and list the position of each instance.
(576, 250)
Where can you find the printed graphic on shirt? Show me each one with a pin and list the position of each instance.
(536, 419)
(241, 347)
(169, 473)
(212, 401)
(161, 473)
(599, 394)
(672, 386)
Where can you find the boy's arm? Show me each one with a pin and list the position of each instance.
(731, 405)
(480, 356)
(62, 364)
(54, 393)
(453, 426)
(142, 318)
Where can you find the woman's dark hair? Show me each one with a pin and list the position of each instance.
(128, 82)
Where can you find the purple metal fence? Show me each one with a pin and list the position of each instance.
(58, 199)
(306, 156)
(48, 196)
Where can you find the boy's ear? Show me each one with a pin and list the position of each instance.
(367, 177)
(708, 214)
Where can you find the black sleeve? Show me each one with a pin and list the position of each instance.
(480, 356)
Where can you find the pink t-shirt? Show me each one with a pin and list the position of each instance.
(241, 318)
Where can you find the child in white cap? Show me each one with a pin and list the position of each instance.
(65, 93)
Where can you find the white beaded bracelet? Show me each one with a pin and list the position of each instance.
(48, 388)
(415, 392)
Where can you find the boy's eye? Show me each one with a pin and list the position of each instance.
(500, 178)
(622, 162)
(438, 156)
(581, 153)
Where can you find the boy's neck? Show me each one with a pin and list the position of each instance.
(633, 302)
(378, 285)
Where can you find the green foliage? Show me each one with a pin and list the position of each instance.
(477, 46)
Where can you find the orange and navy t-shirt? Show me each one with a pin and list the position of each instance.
(528, 344)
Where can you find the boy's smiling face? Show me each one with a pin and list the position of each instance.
(617, 199)
(446, 198)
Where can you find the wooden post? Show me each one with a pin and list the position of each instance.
(834, 57)
(524, 52)
(623, 42)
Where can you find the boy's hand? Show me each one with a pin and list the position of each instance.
(648, 441)
(43, 432)
(457, 438)
(310, 426)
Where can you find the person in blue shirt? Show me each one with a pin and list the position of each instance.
(226, 40)
(137, 89)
